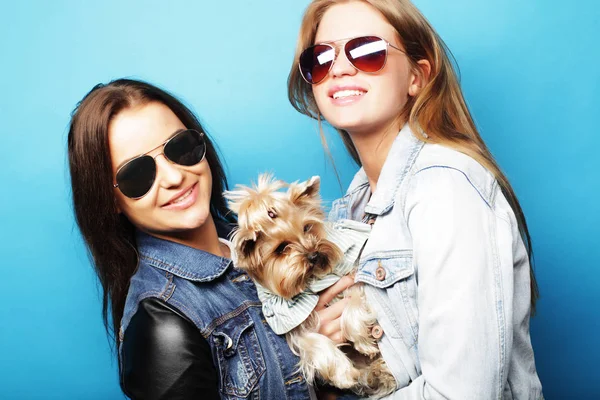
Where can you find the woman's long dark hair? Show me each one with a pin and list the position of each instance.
(108, 234)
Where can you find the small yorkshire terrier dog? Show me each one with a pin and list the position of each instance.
(285, 246)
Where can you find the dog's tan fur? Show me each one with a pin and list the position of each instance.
(281, 243)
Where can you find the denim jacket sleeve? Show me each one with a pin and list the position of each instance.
(464, 290)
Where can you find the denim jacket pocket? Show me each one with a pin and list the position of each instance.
(392, 275)
(241, 362)
(384, 268)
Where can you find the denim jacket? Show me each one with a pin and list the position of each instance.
(448, 274)
(252, 361)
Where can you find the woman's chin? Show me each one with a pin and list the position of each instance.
(193, 219)
(346, 121)
(198, 219)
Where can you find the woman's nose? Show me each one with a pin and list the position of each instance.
(168, 174)
(342, 66)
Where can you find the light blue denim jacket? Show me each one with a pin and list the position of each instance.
(448, 273)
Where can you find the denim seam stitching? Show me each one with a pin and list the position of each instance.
(169, 288)
(494, 195)
(387, 255)
(500, 317)
(475, 186)
(191, 315)
(406, 301)
(174, 269)
(138, 300)
(277, 356)
(188, 312)
(242, 351)
(223, 318)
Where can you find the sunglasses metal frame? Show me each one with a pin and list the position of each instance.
(165, 143)
(337, 53)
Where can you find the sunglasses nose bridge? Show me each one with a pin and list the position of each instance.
(161, 153)
(168, 174)
(341, 63)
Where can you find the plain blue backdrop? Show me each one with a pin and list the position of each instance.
(530, 72)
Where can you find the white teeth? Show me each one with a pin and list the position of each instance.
(347, 93)
(179, 200)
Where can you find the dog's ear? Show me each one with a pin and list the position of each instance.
(245, 241)
(247, 246)
(305, 190)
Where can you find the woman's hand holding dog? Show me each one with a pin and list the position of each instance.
(330, 316)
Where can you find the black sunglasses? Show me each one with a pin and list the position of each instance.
(366, 53)
(136, 177)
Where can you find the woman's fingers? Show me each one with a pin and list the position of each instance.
(333, 330)
(330, 327)
(337, 338)
(330, 293)
(330, 316)
(333, 312)
(331, 321)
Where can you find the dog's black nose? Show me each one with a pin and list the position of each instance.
(313, 257)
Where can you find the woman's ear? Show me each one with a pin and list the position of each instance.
(419, 78)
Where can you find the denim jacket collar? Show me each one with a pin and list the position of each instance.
(180, 260)
(399, 161)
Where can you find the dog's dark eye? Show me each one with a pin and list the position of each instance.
(307, 228)
(281, 248)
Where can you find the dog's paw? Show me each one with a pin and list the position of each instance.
(340, 371)
(345, 378)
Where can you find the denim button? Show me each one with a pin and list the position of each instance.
(380, 272)
(377, 331)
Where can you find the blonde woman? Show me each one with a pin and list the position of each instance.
(448, 263)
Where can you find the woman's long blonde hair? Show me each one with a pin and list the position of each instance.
(439, 109)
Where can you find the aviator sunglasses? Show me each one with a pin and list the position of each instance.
(136, 177)
(365, 53)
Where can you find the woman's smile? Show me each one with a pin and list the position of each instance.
(184, 199)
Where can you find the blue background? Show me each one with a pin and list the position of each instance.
(529, 71)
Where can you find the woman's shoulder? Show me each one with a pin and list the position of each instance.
(160, 321)
(147, 281)
(188, 282)
(442, 168)
(161, 348)
(437, 155)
